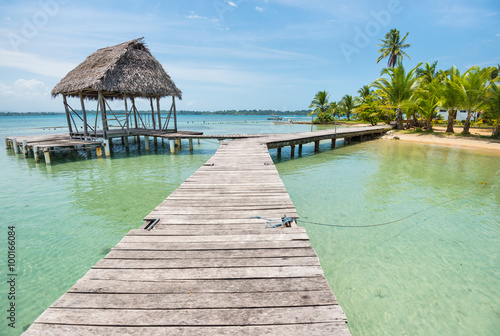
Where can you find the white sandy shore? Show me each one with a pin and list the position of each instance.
(451, 141)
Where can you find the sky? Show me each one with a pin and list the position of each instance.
(239, 54)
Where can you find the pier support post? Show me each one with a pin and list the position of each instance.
(292, 150)
(25, 148)
(16, 147)
(155, 141)
(146, 142)
(125, 140)
(300, 148)
(107, 147)
(333, 142)
(98, 151)
(191, 144)
(36, 154)
(179, 144)
(198, 141)
(348, 141)
(7, 143)
(46, 154)
(279, 151)
(172, 146)
(316, 146)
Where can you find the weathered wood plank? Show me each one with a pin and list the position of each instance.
(214, 246)
(318, 329)
(271, 285)
(211, 254)
(112, 263)
(194, 300)
(211, 239)
(193, 317)
(205, 273)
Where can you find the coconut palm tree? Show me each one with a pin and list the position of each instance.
(452, 94)
(392, 47)
(320, 104)
(426, 100)
(474, 85)
(364, 92)
(398, 88)
(492, 105)
(428, 72)
(347, 105)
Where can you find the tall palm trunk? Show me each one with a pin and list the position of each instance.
(496, 130)
(399, 118)
(467, 122)
(451, 119)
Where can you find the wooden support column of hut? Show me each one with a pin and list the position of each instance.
(126, 70)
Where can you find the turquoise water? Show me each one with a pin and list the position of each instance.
(436, 273)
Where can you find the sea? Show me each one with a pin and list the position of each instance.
(408, 234)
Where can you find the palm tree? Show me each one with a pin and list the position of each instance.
(399, 87)
(474, 86)
(320, 105)
(393, 47)
(364, 92)
(428, 72)
(452, 94)
(426, 100)
(492, 104)
(347, 105)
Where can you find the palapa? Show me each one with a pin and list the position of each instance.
(127, 68)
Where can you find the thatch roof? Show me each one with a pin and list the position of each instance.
(126, 68)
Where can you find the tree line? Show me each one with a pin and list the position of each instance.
(418, 93)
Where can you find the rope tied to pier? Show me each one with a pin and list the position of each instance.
(410, 215)
(276, 222)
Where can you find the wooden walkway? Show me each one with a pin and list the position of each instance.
(208, 267)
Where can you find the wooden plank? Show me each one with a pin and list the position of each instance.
(214, 246)
(204, 317)
(86, 285)
(113, 263)
(194, 300)
(205, 273)
(215, 231)
(215, 238)
(211, 254)
(319, 329)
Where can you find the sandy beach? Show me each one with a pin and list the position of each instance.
(450, 141)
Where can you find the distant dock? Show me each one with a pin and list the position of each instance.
(37, 146)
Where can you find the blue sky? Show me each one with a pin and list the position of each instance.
(239, 54)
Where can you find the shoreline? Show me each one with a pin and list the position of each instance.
(449, 141)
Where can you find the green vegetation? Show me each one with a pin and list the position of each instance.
(420, 92)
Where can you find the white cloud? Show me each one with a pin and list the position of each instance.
(26, 88)
(193, 16)
(232, 4)
(259, 9)
(34, 63)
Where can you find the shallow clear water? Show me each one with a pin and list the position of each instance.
(437, 272)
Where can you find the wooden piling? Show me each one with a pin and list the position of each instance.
(279, 150)
(178, 142)
(46, 154)
(16, 147)
(98, 151)
(107, 147)
(25, 148)
(36, 154)
(7, 143)
(316, 146)
(190, 144)
(172, 146)
(292, 150)
(300, 148)
(333, 142)
(146, 142)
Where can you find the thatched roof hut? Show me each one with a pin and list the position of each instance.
(125, 71)
(127, 68)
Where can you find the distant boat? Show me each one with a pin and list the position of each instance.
(274, 117)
